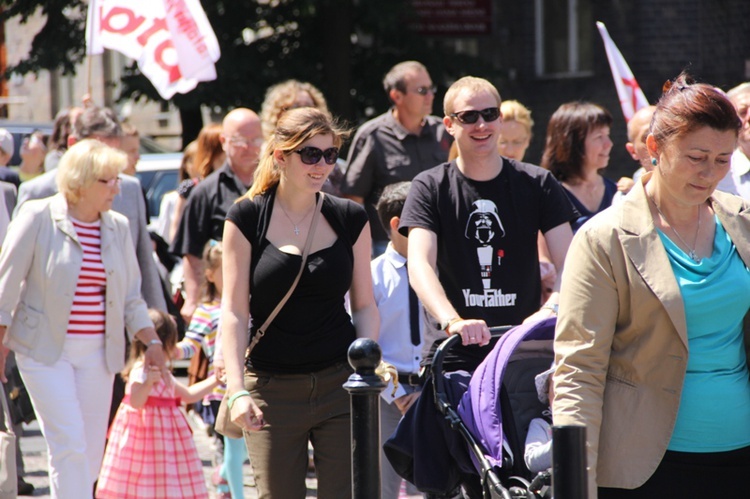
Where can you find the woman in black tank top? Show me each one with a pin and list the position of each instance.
(292, 391)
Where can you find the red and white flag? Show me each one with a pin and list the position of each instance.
(171, 40)
(631, 95)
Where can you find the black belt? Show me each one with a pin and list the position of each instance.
(409, 379)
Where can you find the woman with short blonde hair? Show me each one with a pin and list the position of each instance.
(69, 287)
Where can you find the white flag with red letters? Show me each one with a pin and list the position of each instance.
(171, 40)
(630, 94)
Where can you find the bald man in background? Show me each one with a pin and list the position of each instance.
(208, 203)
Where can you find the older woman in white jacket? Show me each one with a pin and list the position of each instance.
(69, 287)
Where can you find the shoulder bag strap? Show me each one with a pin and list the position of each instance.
(308, 243)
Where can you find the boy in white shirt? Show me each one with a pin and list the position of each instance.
(400, 327)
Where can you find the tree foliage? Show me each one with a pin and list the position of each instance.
(344, 47)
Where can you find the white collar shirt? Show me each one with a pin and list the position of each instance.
(391, 288)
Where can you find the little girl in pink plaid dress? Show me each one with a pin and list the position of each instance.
(150, 452)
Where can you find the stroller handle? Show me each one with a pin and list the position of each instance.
(437, 363)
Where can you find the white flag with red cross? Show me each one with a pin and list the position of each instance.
(171, 40)
(630, 94)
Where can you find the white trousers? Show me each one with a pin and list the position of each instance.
(71, 398)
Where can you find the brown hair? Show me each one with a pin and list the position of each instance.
(566, 137)
(293, 128)
(209, 148)
(188, 156)
(686, 106)
(166, 330)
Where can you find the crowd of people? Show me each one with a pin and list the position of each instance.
(433, 226)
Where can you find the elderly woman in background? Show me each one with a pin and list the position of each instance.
(515, 130)
(650, 344)
(577, 148)
(69, 287)
(293, 378)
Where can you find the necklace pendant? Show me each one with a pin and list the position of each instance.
(296, 230)
(694, 257)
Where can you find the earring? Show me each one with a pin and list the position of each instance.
(653, 161)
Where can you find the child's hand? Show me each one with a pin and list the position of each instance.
(221, 375)
(153, 375)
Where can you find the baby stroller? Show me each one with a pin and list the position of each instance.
(490, 411)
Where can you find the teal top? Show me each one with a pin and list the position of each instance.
(714, 413)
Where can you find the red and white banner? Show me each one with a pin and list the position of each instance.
(631, 95)
(171, 40)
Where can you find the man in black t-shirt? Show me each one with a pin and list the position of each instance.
(208, 203)
(473, 226)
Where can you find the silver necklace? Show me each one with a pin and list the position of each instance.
(296, 228)
(692, 254)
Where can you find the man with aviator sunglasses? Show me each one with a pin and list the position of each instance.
(396, 145)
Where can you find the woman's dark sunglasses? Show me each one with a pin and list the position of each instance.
(311, 155)
(471, 117)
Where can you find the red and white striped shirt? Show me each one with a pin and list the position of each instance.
(87, 316)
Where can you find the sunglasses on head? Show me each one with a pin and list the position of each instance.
(471, 117)
(312, 155)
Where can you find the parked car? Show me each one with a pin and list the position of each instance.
(159, 174)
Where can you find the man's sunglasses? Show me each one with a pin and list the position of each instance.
(425, 90)
(471, 117)
(312, 155)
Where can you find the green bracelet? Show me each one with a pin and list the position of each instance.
(241, 393)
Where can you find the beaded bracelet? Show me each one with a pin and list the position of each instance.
(241, 393)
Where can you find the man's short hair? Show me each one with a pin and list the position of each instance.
(391, 202)
(97, 121)
(740, 89)
(473, 84)
(395, 78)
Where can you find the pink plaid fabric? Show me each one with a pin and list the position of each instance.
(151, 453)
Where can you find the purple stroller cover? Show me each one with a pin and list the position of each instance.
(479, 408)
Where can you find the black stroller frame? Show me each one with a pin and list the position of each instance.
(512, 480)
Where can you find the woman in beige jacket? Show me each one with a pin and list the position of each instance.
(650, 343)
(69, 287)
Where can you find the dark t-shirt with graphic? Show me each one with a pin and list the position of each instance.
(487, 257)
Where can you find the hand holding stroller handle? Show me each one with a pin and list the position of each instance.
(442, 350)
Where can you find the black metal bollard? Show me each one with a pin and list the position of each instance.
(364, 387)
(569, 475)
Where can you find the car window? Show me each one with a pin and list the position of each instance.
(161, 183)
